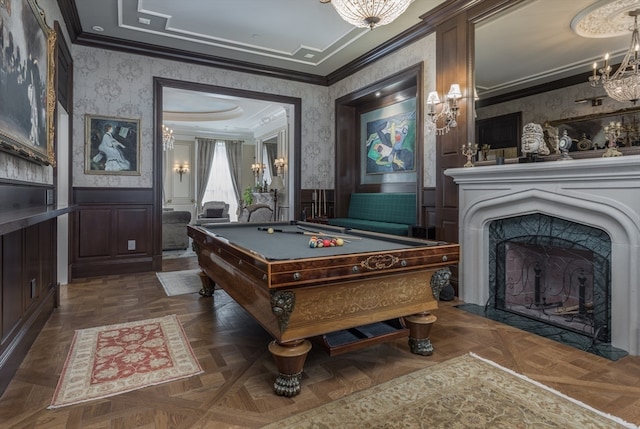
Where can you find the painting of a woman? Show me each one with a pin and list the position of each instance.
(109, 148)
(112, 146)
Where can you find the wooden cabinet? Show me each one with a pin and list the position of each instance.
(12, 245)
(28, 281)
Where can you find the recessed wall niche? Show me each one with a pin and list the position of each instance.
(351, 143)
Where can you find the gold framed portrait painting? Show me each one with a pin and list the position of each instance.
(112, 145)
(28, 50)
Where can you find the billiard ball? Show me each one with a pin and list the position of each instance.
(270, 231)
(339, 241)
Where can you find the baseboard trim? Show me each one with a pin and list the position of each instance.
(12, 356)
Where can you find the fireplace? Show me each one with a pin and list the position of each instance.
(552, 270)
(595, 198)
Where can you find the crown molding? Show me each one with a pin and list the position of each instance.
(430, 20)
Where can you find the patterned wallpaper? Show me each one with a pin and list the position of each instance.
(109, 83)
(117, 84)
(422, 50)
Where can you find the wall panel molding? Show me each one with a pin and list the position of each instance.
(112, 232)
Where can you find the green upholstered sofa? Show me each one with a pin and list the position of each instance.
(389, 213)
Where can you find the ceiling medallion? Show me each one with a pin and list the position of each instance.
(369, 13)
(605, 19)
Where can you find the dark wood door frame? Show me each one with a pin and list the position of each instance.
(158, 85)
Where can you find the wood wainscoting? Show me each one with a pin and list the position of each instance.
(112, 232)
(28, 278)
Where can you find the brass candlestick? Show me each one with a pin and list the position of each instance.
(469, 150)
(612, 133)
(485, 151)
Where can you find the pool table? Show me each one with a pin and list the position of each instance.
(297, 292)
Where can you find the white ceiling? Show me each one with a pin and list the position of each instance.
(202, 114)
(534, 43)
(530, 44)
(300, 35)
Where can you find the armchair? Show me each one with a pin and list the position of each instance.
(174, 229)
(256, 213)
(214, 212)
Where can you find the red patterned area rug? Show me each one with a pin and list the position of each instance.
(109, 360)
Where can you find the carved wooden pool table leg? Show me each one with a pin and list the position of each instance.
(289, 357)
(419, 329)
(208, 285)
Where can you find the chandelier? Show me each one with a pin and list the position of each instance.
(624, 84)
(167, 138)
(369, 13)
(441, 122)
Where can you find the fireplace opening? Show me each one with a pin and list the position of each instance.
(552, 277)
(554, 281)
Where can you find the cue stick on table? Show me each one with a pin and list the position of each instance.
(331, 235)
(260, 228)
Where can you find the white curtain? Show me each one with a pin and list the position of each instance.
(206, 150)
(234, 156)
(219, 186)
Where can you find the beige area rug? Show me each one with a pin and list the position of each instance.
(180, 282)
(109, 360)
(464, 392)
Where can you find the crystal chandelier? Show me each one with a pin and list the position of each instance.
(369, 13)
(167, 138)
(441, 122)
(624, 84)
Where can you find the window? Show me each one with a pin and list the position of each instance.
(219, 186)
(266, 174)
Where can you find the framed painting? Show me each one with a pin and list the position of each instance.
(27, 79)
(112, 145)
(388, 142)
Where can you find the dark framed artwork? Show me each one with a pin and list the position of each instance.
(112, 145)
(388, 142)
(500, 136)
(27, 80)
(588, 132)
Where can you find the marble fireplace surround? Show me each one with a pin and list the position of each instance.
(600, 192)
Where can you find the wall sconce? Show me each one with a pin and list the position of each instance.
(255, 167)
(441, 122)
(279, 163)
(182, 169)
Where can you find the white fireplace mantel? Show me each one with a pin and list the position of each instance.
(600, 192)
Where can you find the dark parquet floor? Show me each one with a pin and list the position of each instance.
(235, 389)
